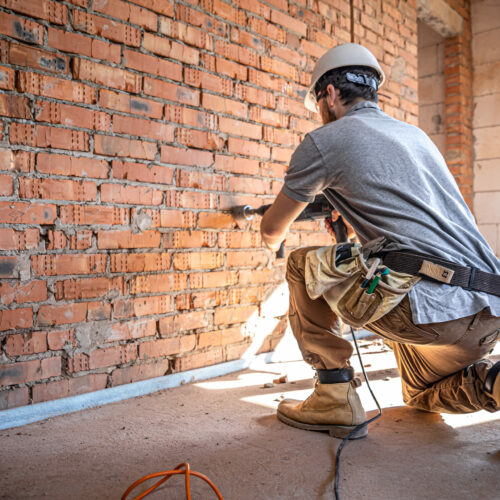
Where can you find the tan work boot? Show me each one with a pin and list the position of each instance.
(332, 407)
(492, 382)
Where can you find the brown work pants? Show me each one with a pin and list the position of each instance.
(442, 365)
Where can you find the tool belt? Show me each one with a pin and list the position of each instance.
(441, 270)
(357, 289)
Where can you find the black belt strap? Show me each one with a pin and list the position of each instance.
(469, 278)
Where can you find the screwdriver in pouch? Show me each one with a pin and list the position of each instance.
(370, 273)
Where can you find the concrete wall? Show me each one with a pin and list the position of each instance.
(431, 105)
(486, 121)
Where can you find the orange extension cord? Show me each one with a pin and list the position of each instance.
(167, 474)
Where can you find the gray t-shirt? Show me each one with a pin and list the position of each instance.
(387, 178)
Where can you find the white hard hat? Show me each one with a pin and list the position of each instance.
(347, 54)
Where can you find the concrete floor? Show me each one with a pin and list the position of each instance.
(226, 429)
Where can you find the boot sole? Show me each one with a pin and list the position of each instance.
(337, 431)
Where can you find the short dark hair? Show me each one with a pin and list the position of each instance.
(349, 91)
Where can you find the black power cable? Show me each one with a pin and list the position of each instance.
(358, 427)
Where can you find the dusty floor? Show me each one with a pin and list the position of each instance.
(226, 429)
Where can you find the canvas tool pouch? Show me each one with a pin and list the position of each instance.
(337, 273)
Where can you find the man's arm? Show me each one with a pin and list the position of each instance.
(278, 218)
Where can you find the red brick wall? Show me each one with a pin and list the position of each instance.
(128, 129)
(458, 102)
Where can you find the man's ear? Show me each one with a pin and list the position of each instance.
(333, 94)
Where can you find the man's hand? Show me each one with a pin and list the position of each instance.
(335, 216)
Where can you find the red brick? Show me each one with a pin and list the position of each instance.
(127, 239)
(93, 214)
(23, 344)
(207, 81)
(250, 39)
(14, 397)
(153, 65)
(98, 311)
(157, 283)
(240, 128)
(143, 306)
(49, 86)
(97, 25)
(222, 105)
(27, 213)
(190, 199)
(50, 315)
(213, 279)
(131, 330)
(53, 12)
(137, 372)
(233, 239)
(189, 239)
(76, 116)
(57, 240)
(6, 77)
(118, 193)
(32, 57)
(271, 117)
(84, 288)
(187, 34)
(198, 260)
(159, 347)
(14, 106)
(69, 387)
(130, 104)
(201, 180)
(139, 262)
(248, 148)
(176, 218)
(280, 68)
(84, 69)
(10, 239)
(117, 355)
(181, 156)
(198, 139)
(69, 165)
(247, 259)
(171, 91)
(81, 240)
(183, 322)
(58, 339)
(219, 337)
(69, 42)
(199, 360)
(267, 29)
(20, 28)
(61, 264)
(119, 146)
(78, 362)
(236, 165)
(167, 48)
(273, 170)
(215, 220)
(232, 315)
(268, 81)
(143, 128)
(61, 138)
(18, 293)
(231, 69)
(57, 189)
(142, 172)
(208, 299)
(6, 185)
(255, 96)
(29, 371)
(197, 18)
(225, 11)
